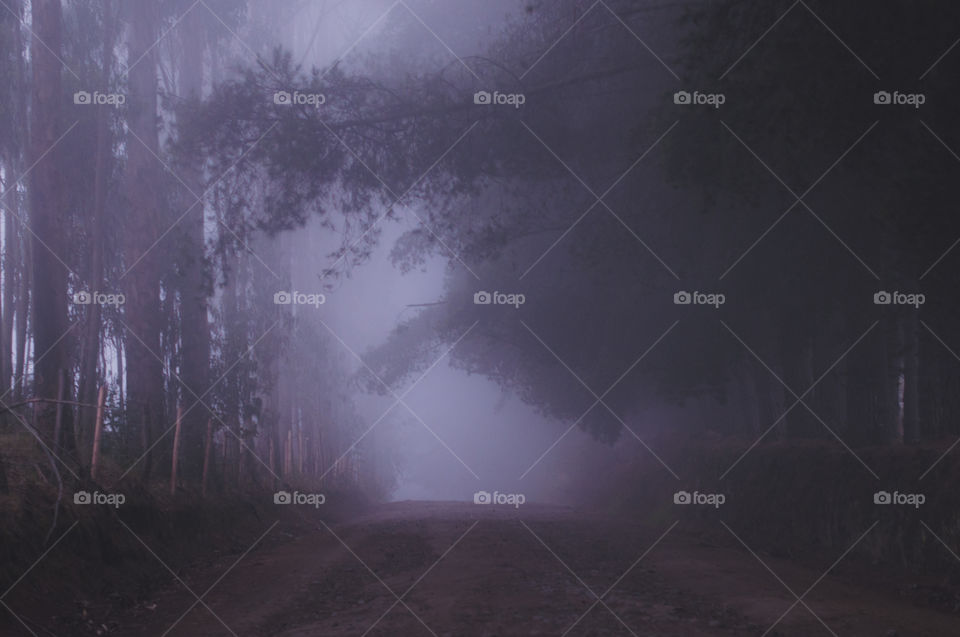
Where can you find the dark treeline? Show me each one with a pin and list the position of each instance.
(121, 271)
(150, 154)
(822, 213)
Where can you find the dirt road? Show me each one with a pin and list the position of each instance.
(450, 569)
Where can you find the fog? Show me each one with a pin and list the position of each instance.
(462, 433)
(479, 317)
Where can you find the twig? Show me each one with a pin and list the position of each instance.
(44, 400)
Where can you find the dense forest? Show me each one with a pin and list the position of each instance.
(145, 176)
(659, 222)
(138, 308)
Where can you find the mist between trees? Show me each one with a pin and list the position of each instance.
(184, 200)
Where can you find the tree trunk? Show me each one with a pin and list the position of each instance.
(892, 373)
(911, 378)
(176, 452)
(797, 357)
(48, 215)
(207, 457)
(145, 388)
(59, 409)
(97, 433)
(194, 328)
(231, 384)
(90, 349)
(13, 264)
(121, 391)
(10, 267)
(22, 311)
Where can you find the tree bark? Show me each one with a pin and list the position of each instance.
(13, 265)
(911, 378)
(890, 418)
(207, 457)
(233, 340)
(145, 388)
(797, 357)
(194, 328)
(90, 350)
(22, 311)
(97, 433)
(10, 267)
(175, 456)
(48, 216)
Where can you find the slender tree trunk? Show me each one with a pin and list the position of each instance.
(207, 457)
(232, 338)
(121, 375)
(797, 356)
(22, 312)
(48, 217)
(90, 350)
(175, 456)
(273, 461)
(892, 373)
(13, 265)
(9, 282)
(288, 455)
(747, 401)
(97, 432)
(4, 485)
(840, 394)
(300, 451)
(194, 328)
(58, 421)
(145, 387)
(911, 372)
(936, 382)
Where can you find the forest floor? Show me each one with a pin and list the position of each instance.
(451, 569)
